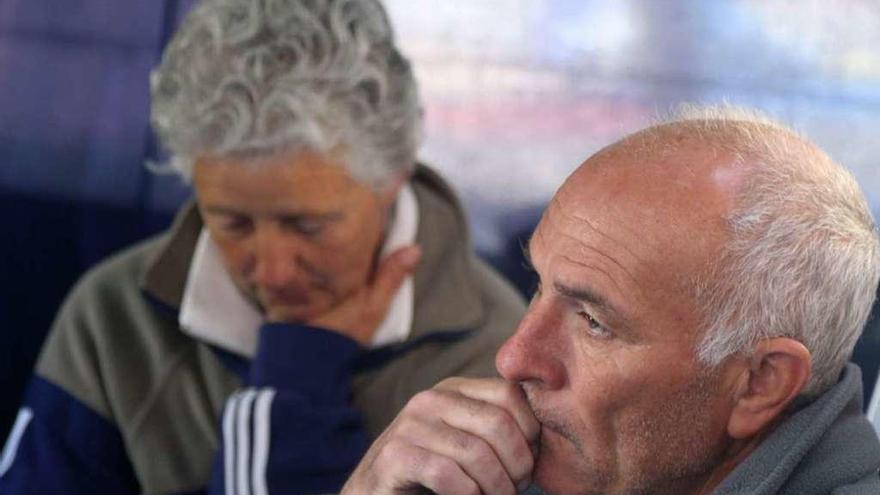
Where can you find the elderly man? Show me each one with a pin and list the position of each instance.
(702, 284)
(320, 279)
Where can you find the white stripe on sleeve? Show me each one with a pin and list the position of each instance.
(229, 443)
(874, 407)
(21, 423)
(243, 444)
(262, 429)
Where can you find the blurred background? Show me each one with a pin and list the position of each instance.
(517, 93)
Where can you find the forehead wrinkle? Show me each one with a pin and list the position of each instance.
(589, 224)
(596, 267)
(604, 304)
(592, 227)
(539, 236)
(595, 250)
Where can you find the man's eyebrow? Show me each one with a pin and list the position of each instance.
(590, 296)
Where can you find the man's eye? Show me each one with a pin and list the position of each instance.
(594, 327)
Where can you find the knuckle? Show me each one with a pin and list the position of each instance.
(425, 400)
(475, 450)
(500, 424)
(481, 458)
(472, 488)
(498, 481)
(396, 461)
(403, 427)
(439, 471)
(392, 452)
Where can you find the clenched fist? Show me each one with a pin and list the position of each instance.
(462, 437)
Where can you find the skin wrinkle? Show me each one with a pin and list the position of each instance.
(606, 273)
(613, 421)
(585, 220)
(551, 219)
(622, 245)
(611, 308)
(560, 426)
(584, 246)
(588, 296)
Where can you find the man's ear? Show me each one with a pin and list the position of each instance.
(778, 371)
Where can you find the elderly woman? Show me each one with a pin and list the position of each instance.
(318, 281)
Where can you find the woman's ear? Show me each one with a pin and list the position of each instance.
(388, 193)
(778, 371)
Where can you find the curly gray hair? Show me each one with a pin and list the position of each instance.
(256, 77)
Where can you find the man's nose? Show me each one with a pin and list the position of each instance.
(535, 353)
(275, 260)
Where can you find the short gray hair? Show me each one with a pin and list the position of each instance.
(803, 261)
(256, 77)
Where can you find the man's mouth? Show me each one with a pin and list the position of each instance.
(552, 432)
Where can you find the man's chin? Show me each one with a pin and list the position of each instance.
(556, 481)
(558, 469)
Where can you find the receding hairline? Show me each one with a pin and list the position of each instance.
(744, 132)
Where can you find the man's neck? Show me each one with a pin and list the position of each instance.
(738, 451)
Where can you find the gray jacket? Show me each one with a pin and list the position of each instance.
(828, 447)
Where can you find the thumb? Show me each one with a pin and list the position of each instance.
(391, 272)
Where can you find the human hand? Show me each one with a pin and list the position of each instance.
(359, 315)
(462, 437)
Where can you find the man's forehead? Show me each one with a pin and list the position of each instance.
(664, 180)
(664, 213)
(632, 271)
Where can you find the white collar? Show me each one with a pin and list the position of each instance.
(213, 310)
(874, 407)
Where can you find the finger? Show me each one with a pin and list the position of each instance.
(412, 467)
(443, 476)
(491, 423)
(392, 270)
(502, 393)
(472, 454)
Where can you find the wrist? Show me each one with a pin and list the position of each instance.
(313, 361)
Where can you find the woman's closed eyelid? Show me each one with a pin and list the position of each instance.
(228, 222)
(308, 226)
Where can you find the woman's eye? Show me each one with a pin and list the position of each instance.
(235, 225)
(307, 226)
